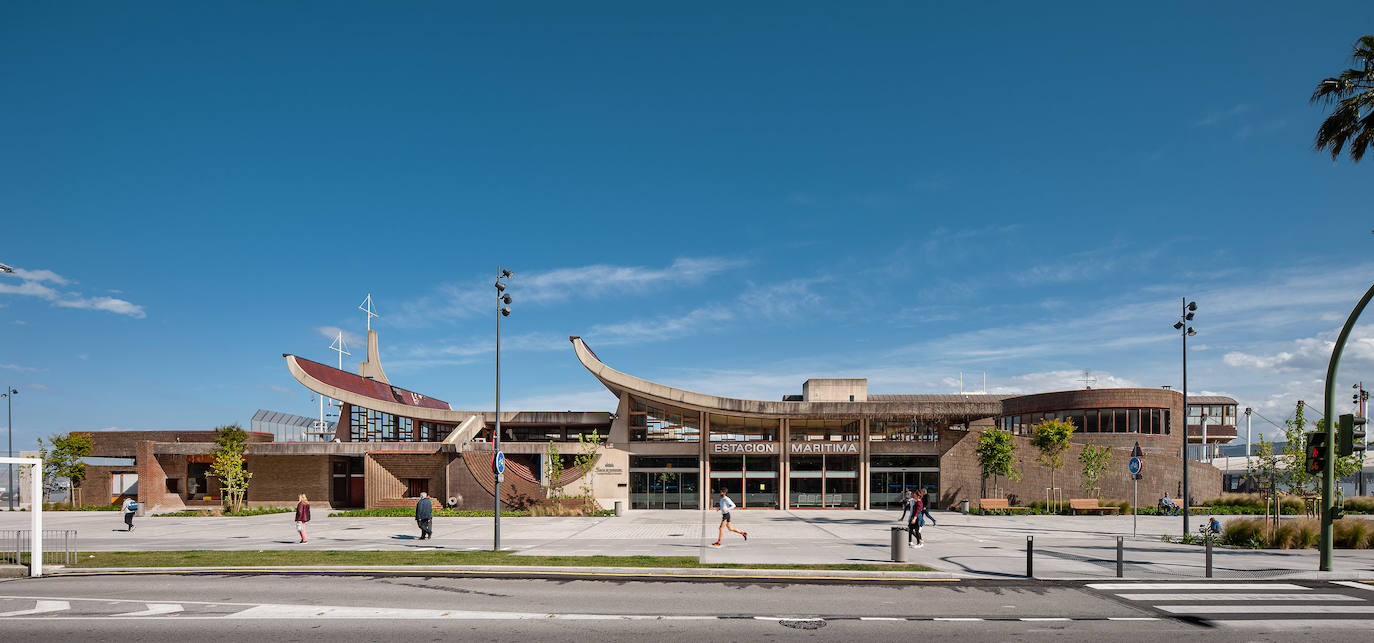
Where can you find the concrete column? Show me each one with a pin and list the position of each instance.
(784, 463)
(863, 464)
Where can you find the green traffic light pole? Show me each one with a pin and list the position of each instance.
(1329, 467)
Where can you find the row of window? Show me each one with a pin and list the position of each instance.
(367, 425)
(1142, 421)
(651, 422)
(1216, 414)
(544, 433)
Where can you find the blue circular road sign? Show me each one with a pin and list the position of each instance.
(500, 462)
(1135, 465)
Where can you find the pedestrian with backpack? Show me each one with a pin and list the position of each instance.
(129, 506)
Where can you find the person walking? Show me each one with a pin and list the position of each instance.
(302, 516)
(906, 504)
(424, 516)
(129, 506)
(925, 506)
(724, 505)
(913, 528)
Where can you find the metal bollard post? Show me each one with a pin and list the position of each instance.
(1030, 551)
(1209, 558)
(1119, 553)
(899, 545)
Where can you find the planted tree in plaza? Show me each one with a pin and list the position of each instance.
(1296, 480)
(64, 459)
(1051, 438)
(1095, 461)
(588, 449)
(230, 443)
(1350, 94)
(553, 469)
(997, 457)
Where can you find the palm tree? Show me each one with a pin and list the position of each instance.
(1352, 93)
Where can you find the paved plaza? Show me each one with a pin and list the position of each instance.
(972, 546)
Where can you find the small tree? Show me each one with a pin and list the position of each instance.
(553, 468)
(588, 448)
(997, 456)
(1296, 480)
(230, 443)
(64, 461)
(1267, 469)
(1095, 461)
(1051, 437)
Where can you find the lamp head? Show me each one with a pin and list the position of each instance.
(1192, 305)
(505, 312)
(506, 299)
(5, 268)
(1191, 332)
(506, 273)
(500, 287)
(1178, 325)
(1189, 316)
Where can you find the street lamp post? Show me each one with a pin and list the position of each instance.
(1189, 307)
(9, 394)
(502, 310)
(1361, 399)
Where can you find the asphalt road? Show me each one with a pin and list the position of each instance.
(366, 607)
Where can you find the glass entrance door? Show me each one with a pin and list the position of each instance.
(885, 487)
(664, 489)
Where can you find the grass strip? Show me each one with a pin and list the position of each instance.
(212, 558)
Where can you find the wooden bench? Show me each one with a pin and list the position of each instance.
(1202, 509)
(986, 504)
(1089, 504)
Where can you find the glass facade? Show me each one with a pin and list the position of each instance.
(729, 428)
(889, 475)
(1216, 414)
(1139, 421)
(751, 480)
(904, 430)
(823, 481)
(664, 482)
(367, 425)
(651, 422)
(821, 430)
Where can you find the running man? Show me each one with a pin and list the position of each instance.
(724, 505)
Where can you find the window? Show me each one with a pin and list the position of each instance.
(1120, 426)
(1091, 423)
(824, 430)
(654, 423)
(908, 430)
(416, 486)
(729, 428)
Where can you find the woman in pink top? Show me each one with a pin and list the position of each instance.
(302, 516)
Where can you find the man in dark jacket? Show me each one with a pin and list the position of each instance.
(925, 505)
(424, 515)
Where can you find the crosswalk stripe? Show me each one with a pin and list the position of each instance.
(1051, 618)
(1118, 586)
(155, 609)
(957, 620)
(1267, 609)
(41, 607)
(1355, 584)
(1239, 597)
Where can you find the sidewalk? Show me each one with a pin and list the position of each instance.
(967, 546)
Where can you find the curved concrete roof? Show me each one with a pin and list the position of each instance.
(311, 375)
(957, 407)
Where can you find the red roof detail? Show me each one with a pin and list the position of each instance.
(368, 387)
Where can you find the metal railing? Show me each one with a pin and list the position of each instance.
(59, 546)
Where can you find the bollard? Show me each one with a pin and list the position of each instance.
(619, 508)
(1030, 550)
(1119, 552)
(899, 544)
(1209, 557)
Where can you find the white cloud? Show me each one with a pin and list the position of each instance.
(107, 304)
(590, 400)
(331, 332)
(1044, 382)
(16, 367)
(32, 285)
(784, 299)
(1310, 353)
(658, 328)
(477, 295)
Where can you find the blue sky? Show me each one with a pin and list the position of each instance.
(724, 199)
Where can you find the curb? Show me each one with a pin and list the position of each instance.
(521, 571)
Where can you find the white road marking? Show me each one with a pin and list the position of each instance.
(1119, 586)
(882, 618)
(956, 620)
(1053, 618)
(1239, 597)
(1267, 609)
(1356, 585)
(155, 609)
(1132, 618)
(41, 607)
(1295, 624)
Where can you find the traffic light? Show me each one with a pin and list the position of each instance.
(1350, 435)
(1316, 452)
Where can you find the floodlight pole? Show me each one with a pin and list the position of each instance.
(9, 437)
(1329, 469)
(1186, 494)
(496, 439)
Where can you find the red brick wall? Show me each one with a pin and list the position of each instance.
(386, 474)
(278, 480)
(124, 444)
(961, 478)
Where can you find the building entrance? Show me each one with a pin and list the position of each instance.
(891, 474)
(823, 481)
(658, 482)
(751, 480)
